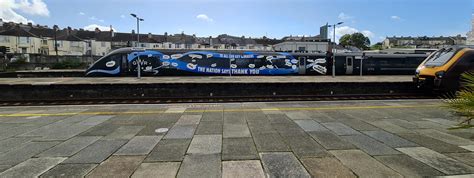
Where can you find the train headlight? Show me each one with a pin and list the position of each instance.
(440, 74)
(417, 72)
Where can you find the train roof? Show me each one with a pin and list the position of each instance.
(129, 50)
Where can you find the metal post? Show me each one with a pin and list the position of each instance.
(138, 43)
(361, 59)
(334, 54)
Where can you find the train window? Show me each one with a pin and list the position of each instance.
(440, 57)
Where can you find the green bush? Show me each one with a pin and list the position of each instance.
(69, 64)
(462, 102)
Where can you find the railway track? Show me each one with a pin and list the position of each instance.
(219, 99)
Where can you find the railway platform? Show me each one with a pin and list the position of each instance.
(383, 138)
(202, 89)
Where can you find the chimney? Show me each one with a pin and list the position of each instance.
(112, 33)
(30, 24)
(1, 22)
(97, 30)
(210, 40)
(133, 32)
(69, 31)
(150, 35)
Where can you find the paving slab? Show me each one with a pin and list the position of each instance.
(175, 110)
(205, 144)
(358, 124)
(448, 138)
(236, 130)
(297, 115)
(404, 123)
(363, 165)
(310, 125)
(466, 158)
(117, 166)
(169, 150)
(69, 170)
(101, 130)
(390, 127)
(250, 168)
(408, 166)
(270, 142)
(189, 120)
(11, 132)
(433, 144)
(305, 146)
(33, 167)
(209, 128)
(326, 167)
(70, 147)
(445, 122)
(163, 169)
(139, 145)
(369, 145)
(96, 152)
(4, 168)
(25, 152)
(389, 139)
(436, 160)
(13, 142)
(340, 128)
(124, 133)
(212, 117)
(201, 165)
(331, 141)
(262, 126)
(468, 147)
(181, 132)
(238, 149)
(282, 164)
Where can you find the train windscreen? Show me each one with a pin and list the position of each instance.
(440, 57)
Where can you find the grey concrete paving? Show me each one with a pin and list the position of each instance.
(296, 139)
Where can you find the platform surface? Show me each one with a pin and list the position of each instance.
(208, 79)
(384, 138)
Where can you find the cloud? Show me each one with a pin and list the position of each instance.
(340, 31)
(394, 17)
(9, 10)
(344, 16)
(92, 27)
(101, 20)
(82, 13)
(122, 16)
(204, 17)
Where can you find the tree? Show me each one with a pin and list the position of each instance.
(345, 40)
(462, 102)
(358, 40)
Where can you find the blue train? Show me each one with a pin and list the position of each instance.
(123, 62)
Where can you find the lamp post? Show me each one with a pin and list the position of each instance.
(334, 53)
(138, 43)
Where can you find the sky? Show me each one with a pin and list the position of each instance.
(376, 19)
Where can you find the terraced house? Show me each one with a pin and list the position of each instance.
(36, 39)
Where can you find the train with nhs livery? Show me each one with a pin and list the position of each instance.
(154, 62)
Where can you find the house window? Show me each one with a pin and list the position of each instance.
(4, 39)
(102, 44)
(24, 40)
(23, 50)
(59, 44)
(74, 44)
(44, 42)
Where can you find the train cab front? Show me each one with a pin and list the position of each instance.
(441, 70)
(113, 64)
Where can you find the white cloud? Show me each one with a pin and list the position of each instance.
(9, 10)
(101, 20)
(340, 31)
(92, 27)
(394, 17)
(122, 16)
(82, 13)
(93, 18)
(204, 17)
(344, 16)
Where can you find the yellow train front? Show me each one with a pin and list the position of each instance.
(442, 69)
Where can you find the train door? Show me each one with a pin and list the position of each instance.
(349, 64)
(124, 65)
(302, 65)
